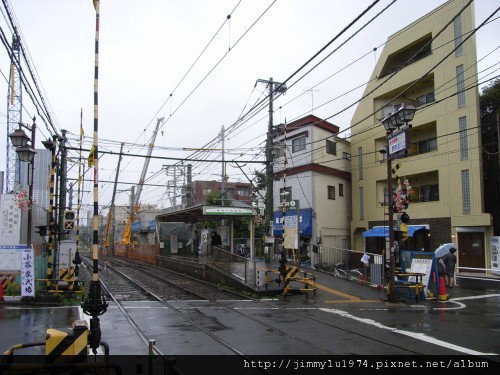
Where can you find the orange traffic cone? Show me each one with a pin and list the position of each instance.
(1, 292)
(442, 296)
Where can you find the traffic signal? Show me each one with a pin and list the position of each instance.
(41, 230)
(69, 220)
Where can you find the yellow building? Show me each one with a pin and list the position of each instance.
(430, 64)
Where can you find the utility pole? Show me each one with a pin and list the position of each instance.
(280, 89)
(111, 239)
(62, 185)
(223, 186)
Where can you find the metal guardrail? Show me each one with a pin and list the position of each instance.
(347, 264)
(236, 265)
(159, 363)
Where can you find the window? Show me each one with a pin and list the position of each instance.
(331, 147)
(243, 192)
(425, 99)
(457, 26)
(360, 163)
(341, 190)
(288, 196)
(427, 145)
(206, 191)
(361, 204)
(331, 192)
(346, 156)
(465, 192)
(429, 193)
(462, 125)
(389, 109)
(299, 144)
(460, 86)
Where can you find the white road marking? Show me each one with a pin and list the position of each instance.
(415, 335)
(463, 305)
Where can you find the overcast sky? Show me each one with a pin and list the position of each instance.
(147, 47)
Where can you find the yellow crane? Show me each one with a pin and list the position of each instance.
(126, 239)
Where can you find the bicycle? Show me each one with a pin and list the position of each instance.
(338, 271)
(355, 274)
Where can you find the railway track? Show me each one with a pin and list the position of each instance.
(251, 313)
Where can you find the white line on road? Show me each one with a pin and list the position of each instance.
(463, 305)
(415, 335)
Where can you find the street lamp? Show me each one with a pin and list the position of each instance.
(402, 116)
(26, 153)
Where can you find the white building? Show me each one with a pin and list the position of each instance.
(313, 166)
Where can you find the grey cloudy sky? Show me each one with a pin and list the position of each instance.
(147, 47)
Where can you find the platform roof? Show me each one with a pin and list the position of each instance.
(203, 212)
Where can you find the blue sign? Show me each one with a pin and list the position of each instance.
(290, 220)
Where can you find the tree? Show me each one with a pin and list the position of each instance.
(259, 180)
(489, 100)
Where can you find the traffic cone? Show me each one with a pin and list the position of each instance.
(363, 281)
(442, 296)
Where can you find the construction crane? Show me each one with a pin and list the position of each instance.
(136, 198)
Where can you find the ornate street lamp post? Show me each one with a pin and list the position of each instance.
(392, 122)
(26, 153)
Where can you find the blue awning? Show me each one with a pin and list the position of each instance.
(384, 231)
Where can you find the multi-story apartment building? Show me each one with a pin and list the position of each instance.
(431, 64)
(313, 166)
(240, 191)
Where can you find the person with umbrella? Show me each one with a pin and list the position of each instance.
(450, 261)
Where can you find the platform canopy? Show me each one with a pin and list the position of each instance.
(384, 231)
(202, 212)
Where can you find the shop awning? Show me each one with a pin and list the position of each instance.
(384, 231)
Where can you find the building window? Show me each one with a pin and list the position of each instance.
(457, 25)
(341, 190)
(331, 147)
(428, 193)
(360, 163)
(331, 192)
(243, 193)
(361, 204)
(206, 191)
(465, 192)
(427, 145)
(390, 109)
(460, 86)
(288, 196)
(299, 144)
(346, 156)
(425, 99)
(462, 124)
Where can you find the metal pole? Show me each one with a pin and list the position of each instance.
(62, 185)
(392, 264)
(30, 186)
(111, 239)
(269, 157)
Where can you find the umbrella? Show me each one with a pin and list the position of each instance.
(444, 249)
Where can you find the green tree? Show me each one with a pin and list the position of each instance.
(489, 100)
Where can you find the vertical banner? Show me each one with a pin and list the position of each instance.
(28, 273)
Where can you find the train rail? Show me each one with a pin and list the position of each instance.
(251, 312)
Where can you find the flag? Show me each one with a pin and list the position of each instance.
(95, 5)
(82, 133)
(91, 156)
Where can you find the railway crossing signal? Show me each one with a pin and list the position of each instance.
(69, 220)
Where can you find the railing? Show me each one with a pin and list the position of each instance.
(159, 363)
(236, 265)
(347, 264)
